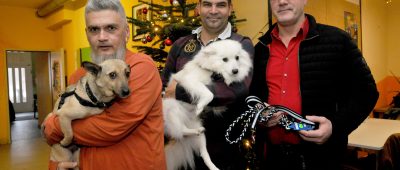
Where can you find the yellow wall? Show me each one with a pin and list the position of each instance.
(331, 12)
(393, 37)
(375, 26)
(254, 24)
(20, 30)
(380, 37)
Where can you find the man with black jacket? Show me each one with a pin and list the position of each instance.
(317, 71)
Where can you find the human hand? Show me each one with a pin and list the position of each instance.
(320, 135)
(170, 90)
(66, 165)
(274, 119)
(47, 128)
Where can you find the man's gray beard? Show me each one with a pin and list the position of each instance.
(119, 54)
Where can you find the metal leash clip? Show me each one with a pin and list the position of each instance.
(293, 121)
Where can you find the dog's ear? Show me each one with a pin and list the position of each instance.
(91, 67)
(209, 51)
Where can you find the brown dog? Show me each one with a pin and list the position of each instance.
(94, 92)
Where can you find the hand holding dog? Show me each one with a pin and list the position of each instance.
(66, 165)
(320, 135)
(170, 90)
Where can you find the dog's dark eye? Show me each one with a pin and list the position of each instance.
(127, 74)
(237, 57)
(225, 59)
(112, 75)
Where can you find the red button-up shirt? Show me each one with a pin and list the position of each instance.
(283, 79)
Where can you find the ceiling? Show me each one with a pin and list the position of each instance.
(35, 4)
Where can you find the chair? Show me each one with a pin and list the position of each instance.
(392, 113)
(390, 157)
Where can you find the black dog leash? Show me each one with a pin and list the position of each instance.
(291, 121)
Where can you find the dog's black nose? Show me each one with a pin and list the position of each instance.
(125, 92)
(235, 71)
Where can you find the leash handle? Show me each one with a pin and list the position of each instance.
(260, 112)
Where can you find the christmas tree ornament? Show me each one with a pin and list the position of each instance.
(164, 16)
(144, 41)
(168, 42)
(145, 10)
(171, 1)
(156, 28)
(175, 3)
(149, 38)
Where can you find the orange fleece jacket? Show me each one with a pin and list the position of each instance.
(129, 135)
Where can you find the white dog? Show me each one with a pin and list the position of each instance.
(226, 58)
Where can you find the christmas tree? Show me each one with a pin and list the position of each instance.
(166, 25)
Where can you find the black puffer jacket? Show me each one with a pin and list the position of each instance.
(335, 82)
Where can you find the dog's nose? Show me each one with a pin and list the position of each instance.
(125, 92)
(235, 71)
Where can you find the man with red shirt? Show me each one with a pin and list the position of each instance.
(317, 71)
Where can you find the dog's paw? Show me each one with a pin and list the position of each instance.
(199, 110)
(65, 142)
(200, 130)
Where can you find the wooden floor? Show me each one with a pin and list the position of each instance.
(28, 150)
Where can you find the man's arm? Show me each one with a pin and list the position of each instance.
(360, 95)
(170, 64)
(122, 117)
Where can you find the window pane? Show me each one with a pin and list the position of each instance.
(23, 81)
(10, 85)
(17, 89)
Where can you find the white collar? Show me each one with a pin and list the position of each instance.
(224, 35)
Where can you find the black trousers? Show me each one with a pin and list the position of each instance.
(300, 157)
(285, 157)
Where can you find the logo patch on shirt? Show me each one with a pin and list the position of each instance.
(190, 46)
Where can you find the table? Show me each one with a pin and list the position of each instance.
(372, 134)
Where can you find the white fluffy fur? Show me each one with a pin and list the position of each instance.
(225, 57)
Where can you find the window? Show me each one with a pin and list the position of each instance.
(17, 85)
(10, 85)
